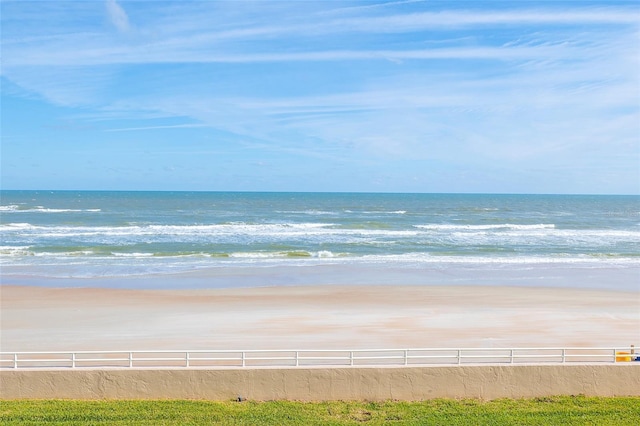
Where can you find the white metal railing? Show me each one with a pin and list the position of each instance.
(317, 358)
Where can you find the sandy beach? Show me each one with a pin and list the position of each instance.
(309, 317)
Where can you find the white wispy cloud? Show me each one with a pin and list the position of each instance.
(117, 16)
(457, 19)
(219, 46)
(173, 126)
(153, 55)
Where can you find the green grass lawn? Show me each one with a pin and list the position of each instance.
(561, 410)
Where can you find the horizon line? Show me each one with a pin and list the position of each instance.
(323, 192)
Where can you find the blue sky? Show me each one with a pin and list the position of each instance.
(390, 96)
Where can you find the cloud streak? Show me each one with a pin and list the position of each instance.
(173, 126)
(213, 46)
(158, 56)
(117, 16)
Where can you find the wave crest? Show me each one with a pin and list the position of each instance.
(509, 226)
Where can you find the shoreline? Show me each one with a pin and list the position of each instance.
(607, 277)
(315, 317)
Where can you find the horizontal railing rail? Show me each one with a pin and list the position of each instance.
(310, 358)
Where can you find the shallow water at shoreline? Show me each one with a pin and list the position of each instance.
(550, 276)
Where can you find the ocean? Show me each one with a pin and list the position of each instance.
(227, 239)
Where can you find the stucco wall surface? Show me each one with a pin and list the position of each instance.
(315, 384)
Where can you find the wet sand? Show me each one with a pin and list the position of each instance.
(315, 317)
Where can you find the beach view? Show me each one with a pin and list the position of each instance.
(371, 190)
(158, 270)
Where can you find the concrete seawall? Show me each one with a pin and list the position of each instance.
(316, 384)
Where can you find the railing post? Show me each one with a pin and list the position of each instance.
(73, 360)
(186, 358)
(564, 355)
(459, 356)
(350, 357)
(511, 356)
(15, 360)
(130, 359)
(242, 357)
(406, 357)
(297, 361)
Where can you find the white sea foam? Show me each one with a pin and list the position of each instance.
(15, 250)
(254, 255)
(309, 212)
(229, 232)
(426, 258)
(378, 212)
(419, 268)
(307, 257)
(237, 229)
(448, 227)
(16, 226)
(47, 210)
(41, 209)
(132, 254)
(301, 254)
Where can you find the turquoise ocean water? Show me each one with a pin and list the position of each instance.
(49, 235)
